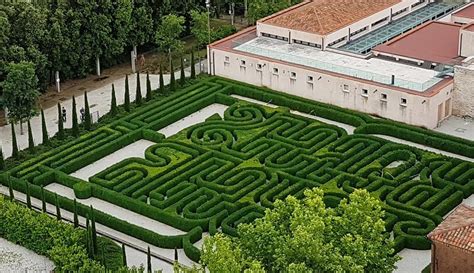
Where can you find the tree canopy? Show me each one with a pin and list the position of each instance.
(306, 236)
(168, 33)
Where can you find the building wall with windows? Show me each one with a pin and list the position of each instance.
(417, 108)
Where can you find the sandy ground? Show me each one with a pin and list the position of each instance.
(136, 149)
(195, 118)
(15, 258)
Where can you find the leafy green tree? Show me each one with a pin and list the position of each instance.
(258, 9)
(138, 95)
(2, 160)
(113, 103)
(127, 95)
(168, 33)
(87, 113)
(93, 230)
(162, 81)
(199, 27)
(76, 217)
(31, 141)
(44, 129)
(10, 189)
(58, 207)
(20, 92)
(141, 29)
(148, 87)
(172, 79)
(182, 75)
(75, 124)
(14, 143)
(124, 255)
(305, 236)
(43, 200)
(60, 123)
(28, 195)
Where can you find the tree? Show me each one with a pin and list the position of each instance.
(87, 113)
(75, 124)
(172, 79)
(28, 195)
(60, 123)
(182, 75)
(20, 92)
(2, 160)
(261, 8)
(193, 66)
(113, 103)
(148, 261)
(175, 254)
(31, 142)
(138, 97)
(142, 24)
(43, 200)
(124, 255)
(93, 230)
(148, 87)
(10, 188)
(76, 217)
(58, 207)
(199, 27)
(127, 95)
(168, 33)
(44, 129)
(14, 143)
(162, 81)
(305, 236)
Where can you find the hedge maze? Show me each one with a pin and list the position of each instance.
(215, 175)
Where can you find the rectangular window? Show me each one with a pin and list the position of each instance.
(259, 66)
(345, 88)
(242, 62)
(380, 21)
(293, 75)
(227, 58)
(403, 102)
(310, 78)
(383, 97)
(275, 70)
(365, 93)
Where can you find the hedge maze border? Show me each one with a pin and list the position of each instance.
(225, 171)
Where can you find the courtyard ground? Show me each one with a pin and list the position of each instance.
(17, 259)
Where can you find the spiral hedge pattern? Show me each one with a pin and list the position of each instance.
(215, 175)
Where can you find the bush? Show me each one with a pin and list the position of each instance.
(83, 190)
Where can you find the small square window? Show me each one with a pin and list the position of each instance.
(293, 75)
(275, 70)
(242, 62)
(259, 66)
(310, 78)
(383, 97)
(403, 101)
(345, 88)
(365, 93)
(227, 58)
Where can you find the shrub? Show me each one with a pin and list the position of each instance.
(83, 190)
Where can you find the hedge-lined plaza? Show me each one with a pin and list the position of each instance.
(225, 171)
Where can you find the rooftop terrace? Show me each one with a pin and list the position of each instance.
(381, 71)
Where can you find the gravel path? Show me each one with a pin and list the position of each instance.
(15, 258)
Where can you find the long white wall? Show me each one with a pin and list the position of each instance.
(334, 89)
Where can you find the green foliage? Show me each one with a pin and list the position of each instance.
(193, 66)
(138, 97)
(87, 113)
(58, 208)
(43, 200)
(75, 124)
(31, 142)
(2, 160)
(172, 84)
(20, 91)
(161, 81)
(44, 128)
(148, 261)
(258, 9)
(14, 142)
(304, 234)
(168, 33)
(127, 95)
(76, 217)
(82, 190)
(182, 75)
(113, 103)
(60, 123)
(204, 35)
(148, 88)
(28, 196)
(124, 255)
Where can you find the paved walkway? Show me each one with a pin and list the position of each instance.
(99, 102)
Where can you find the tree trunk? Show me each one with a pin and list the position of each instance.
(98, 65)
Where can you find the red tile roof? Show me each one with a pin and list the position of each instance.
(326, 16)
(434, 41)
(457, 229)
(467, 12)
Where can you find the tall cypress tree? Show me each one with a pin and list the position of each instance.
(182, 76)
(148, 87)
(138, 97)
(113, 103)
(10, 188)
(89, 247)
(172, 78)
(124, 256)
(127, 95)
(44, 129)
(87, 113)
(193, 66)
(31, 142)
(76, 218)
(28, 195)
(43, 200)
(175, 254)
(148, 259)
(14, 143)
(2, 160)
(58, 208)
(93, 230)
(75, 124)
(60, 123)
(162, 80)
